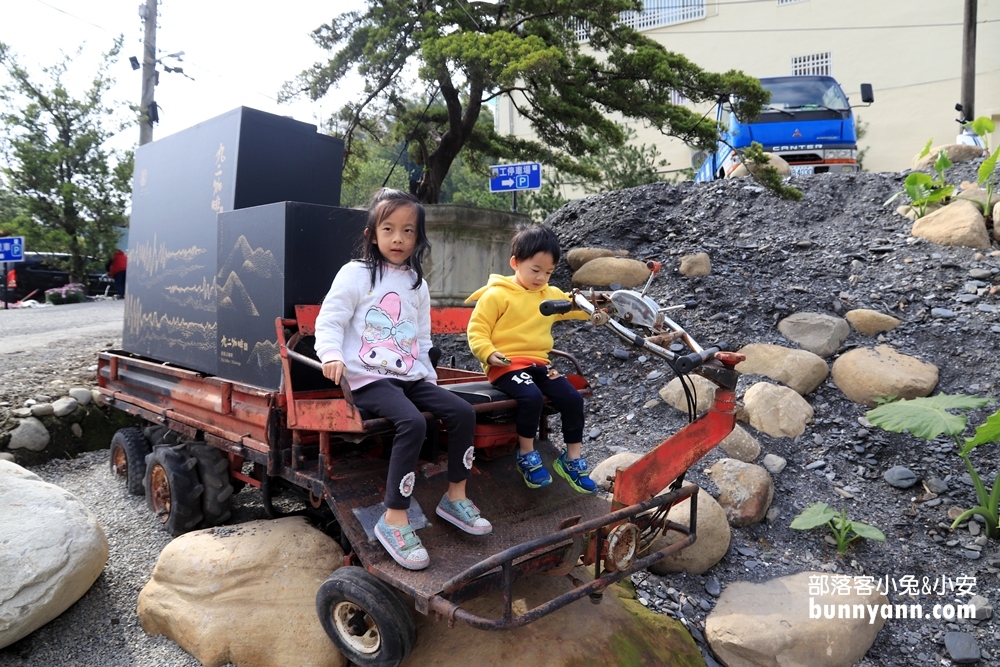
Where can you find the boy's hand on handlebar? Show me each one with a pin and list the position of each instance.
(497, 359)
(333, 370)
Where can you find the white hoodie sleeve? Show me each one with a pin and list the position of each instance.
(337, 310)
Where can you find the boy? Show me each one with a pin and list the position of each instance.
(512, 340)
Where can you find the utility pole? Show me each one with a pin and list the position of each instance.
(969, 60)
(147, 111)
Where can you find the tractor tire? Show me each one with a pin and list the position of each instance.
(173, 490)
(365, 618)
(213, 470)
(128, 458)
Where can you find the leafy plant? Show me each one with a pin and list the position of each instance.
(844, 530)
(923, 189)
(927, 418)
(983, 126)
(71, 293)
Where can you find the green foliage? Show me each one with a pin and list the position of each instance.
(524, 52)
(927, 418)
(844, 530)
(923, 189)
(67, 191)
(861, 131)
(71, 293)
(761, 170)
(983, 126)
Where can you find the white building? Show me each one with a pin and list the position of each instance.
(909, 50)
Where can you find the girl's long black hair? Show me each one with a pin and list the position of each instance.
(384, 203)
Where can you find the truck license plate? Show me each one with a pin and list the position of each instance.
(802, 170)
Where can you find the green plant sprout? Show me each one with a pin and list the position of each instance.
(819, 514)
(927, 418)
(922, 189)
(983, 126)
(761, 170)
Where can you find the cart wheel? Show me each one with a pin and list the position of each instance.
(172, 488)
(365, 619)
(213, 470)
(128, 458)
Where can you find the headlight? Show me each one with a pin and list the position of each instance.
(840, 154)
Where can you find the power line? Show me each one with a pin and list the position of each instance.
(78, 18)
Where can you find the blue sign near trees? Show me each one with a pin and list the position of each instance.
(12, 249)
(513, 177)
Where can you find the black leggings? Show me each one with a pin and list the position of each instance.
(529, 386)
(401, 402)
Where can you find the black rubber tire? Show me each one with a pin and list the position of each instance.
(352, 594)
(213, 471)
(172, 470)
(129, 449)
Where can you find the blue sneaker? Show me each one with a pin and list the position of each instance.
(576, 473)
(464, 514)
(533, 470)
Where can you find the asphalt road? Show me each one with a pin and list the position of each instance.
(27, 329)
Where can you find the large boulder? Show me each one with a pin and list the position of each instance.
(577, 257)
(778, 411)
(52, 550)
(693, 266)
(609, 466)
(607, 271)
(801, 370)
(618, 632)
(741, 445)
(790, 622)
(244, 594)
(713, 533)
(820, 334)
(30, 434)
(864, 375)
(960, 223)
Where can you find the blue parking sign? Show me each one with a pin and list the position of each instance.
(12, 249)
(513, 177)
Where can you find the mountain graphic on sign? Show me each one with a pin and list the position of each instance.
(232, 295)
(250, 261)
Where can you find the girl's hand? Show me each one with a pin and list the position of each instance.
(333, 370)
(497, 359)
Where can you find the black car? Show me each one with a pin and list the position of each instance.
(40, 271)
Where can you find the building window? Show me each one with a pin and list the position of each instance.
(788, 2)
(814, 64)
(677, 97)
(655, 14)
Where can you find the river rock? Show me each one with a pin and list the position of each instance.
(52, 549)
(775, 161)
(781, 622)
(801, 370)
(778, 411)
(740, 445)
(606, 271)
(864, 375)
(745, 491)
(81, 394)
(820, 334)
(606, 468)
(673, 393)
(29, 434)
(870, 322)
(577, 257)
(960, 223)
(244, 594)
(956, 153)
(695, 265)
(713, 540)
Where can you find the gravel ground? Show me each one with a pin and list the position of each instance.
(836, 250)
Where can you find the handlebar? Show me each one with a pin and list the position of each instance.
(688, 362)
(555, 307)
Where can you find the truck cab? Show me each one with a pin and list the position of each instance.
(808, 122)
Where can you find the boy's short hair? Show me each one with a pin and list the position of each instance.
(533, 239)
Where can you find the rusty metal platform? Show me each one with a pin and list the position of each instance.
(518, 515)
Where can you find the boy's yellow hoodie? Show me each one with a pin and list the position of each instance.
(506, 319)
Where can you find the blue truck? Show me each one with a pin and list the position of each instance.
(808, 122)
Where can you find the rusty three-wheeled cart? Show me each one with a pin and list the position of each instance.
(208, 437)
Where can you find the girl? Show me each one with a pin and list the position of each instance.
(374, 330)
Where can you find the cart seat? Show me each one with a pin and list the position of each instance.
(477, 392)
